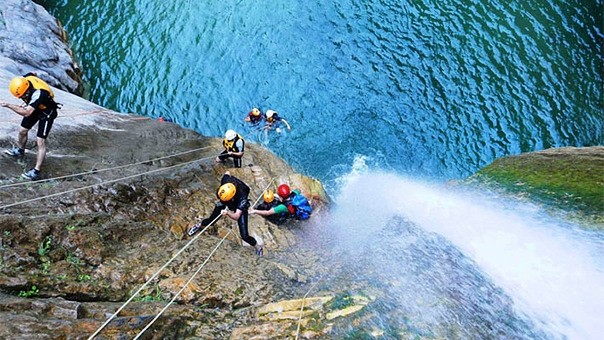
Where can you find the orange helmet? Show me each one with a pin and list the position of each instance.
(226, 192)
(18, 86)
(283, 191)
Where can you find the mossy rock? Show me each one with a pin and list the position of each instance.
(570, 179)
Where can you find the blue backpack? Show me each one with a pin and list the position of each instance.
(303, 208)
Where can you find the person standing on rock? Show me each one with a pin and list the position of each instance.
(40, 107)
(233, 201)
(234, 147)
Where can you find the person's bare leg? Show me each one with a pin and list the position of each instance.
(22, 140)
(41, 153)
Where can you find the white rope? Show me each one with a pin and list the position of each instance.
(197, 272)
(106, 182)
(151, 279)
(262, 193)
(302, 307)
(162, 268)
(100, 170)
(184, 286)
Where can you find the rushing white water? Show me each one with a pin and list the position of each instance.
(553, 272)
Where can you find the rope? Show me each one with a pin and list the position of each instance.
(101, 170)
(162, 268)
(262, 193)
(185, 285)
(152, 277)
(302, 307)
(196, 272)
(106, 182)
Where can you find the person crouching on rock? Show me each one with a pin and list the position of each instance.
(234, 146)
(233, 201)
(269, 206)
(40, 107)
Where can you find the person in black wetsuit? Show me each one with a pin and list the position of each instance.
(233, 201)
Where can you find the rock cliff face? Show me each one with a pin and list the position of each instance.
(70, 260)
(32, 40)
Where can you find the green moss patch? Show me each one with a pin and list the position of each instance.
(571, 179)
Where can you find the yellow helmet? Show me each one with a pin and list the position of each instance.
(18, 86)
(256, 112)
(226, 192)
(268, 196)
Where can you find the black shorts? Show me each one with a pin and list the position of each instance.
(44, 125)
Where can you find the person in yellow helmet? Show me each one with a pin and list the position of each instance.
(39, 107)
(233, 202)
(255, 116)
(270, 202)
(234, 147)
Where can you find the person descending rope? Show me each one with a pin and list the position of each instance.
(293, 203)
(271, 202)
(274, 121)
(255, 116)
(233, 202)
(234, 146)
(40, 107)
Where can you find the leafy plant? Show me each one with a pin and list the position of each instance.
(155, 296)
(44, 246)
(84, 278)
(33, 291)
(45, 266)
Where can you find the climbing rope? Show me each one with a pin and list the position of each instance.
(152, 278)
(162, 268)
(185, 285)
(102, 183)
(302, 307)
(99, 170)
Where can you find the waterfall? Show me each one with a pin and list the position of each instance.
(551, 270)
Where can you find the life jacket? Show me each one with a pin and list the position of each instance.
(39, 84)
(231, 145)
(301, 207)
(273, 118)
(255, 119)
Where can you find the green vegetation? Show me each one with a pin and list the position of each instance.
(32, 292)
(155, 295)
(340, 301)
(75, 225)
(44, 246)
(570, 181)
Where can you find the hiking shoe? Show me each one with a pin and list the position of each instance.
(32, 174)
(15, 152)
(194, 229)
(260, 251)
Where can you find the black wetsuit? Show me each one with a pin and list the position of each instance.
(239, 201)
